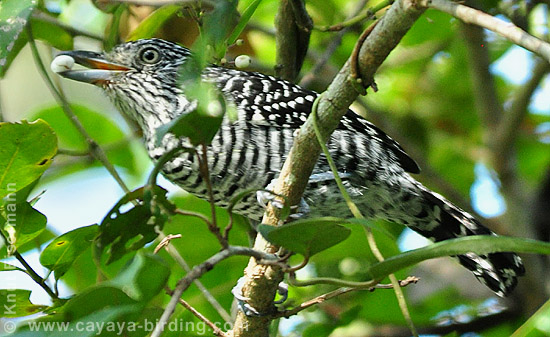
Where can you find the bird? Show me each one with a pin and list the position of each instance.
(143, 80)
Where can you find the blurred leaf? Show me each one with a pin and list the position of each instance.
(102, 322)
(16, 303)
(60, 254)
(153, 22)
(114, 233)
(216, 26)
(307, 237)
(54, 35)
(13, 18)
(95, 299)
(102, 129)
(144, 278)
(9, 267)
(202, 123)
(245, 17)
(26, 222)
(479, 244)
(26, 152)
(537, 325)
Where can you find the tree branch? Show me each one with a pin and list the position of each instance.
(293, 28)
(197, 272)
(505, 29)
(261, 281)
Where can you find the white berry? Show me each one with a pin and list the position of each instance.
(242, 61)
(62, 63)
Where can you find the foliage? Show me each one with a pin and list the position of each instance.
(428, 99)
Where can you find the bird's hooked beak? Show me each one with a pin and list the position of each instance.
(100, 70)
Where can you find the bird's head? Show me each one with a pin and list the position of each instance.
(140, 77)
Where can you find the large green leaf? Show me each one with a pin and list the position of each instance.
(60, 254)
(22, 222)
(51, 33)
(26, 152)
(13, 18)
(149, 26)
(307, 237)
(16, 303)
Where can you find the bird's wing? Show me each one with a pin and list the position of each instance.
(268, 101)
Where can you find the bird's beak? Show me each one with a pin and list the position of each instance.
(101, 71)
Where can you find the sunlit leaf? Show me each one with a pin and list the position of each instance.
(60, 254)
(13, 18)
(16, 303)
(23, 223)
(26, 152)
(149, 26)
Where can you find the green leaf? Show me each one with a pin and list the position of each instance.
(151, 24)
(307, 237)
(60, 254)
(114, 232)
(16, 303)
(217, 24)
(102, 322)
(201, 124)
(479, 244)
(26, 152)
(245, 17)
(23, 223)
(144, 278)
(9, 267)
(94, 299)
(101, 128)
(13, 18)
(537, 325)
(54, 35)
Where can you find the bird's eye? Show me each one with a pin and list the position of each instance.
(149, 55)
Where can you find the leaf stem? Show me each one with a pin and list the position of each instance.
(35, 277)
(95, 149)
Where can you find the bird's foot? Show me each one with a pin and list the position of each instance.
(248, 309)
(266, 196)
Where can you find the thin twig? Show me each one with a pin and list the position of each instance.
(338, 292)
(369, 14)
(95, 149)
(216, 331)
(197, 272)
(29, 271)
(330, 49)
(503, 28)
(174, 253)
(205, 173)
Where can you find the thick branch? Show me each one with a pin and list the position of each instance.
(293, 28)
(261, 281)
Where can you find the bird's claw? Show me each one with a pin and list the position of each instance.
(242, 301)
(266, 196)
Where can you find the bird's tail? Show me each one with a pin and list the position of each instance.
(443, 221)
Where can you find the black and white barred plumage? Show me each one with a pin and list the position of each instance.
(249, 152)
